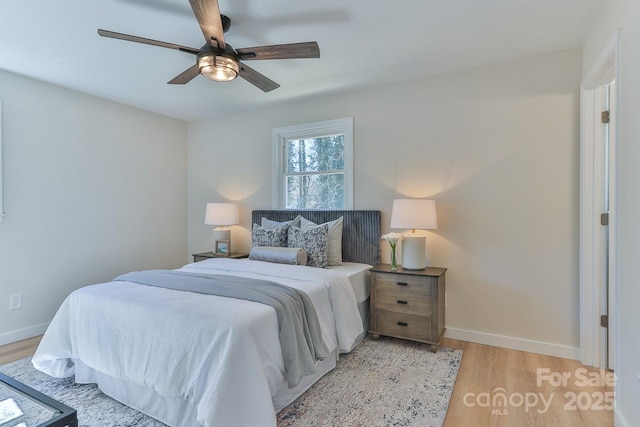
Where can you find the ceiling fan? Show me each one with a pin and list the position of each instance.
(217, 60)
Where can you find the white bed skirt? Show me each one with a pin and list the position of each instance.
(178, 412)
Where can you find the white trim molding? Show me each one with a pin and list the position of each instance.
(531, 346)
(1, 183)
(309, 130)
(23, 334)
(596, 243)
(619, 420)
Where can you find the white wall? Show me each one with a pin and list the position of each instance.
(92, 189)
(497, 147)
(625, 15)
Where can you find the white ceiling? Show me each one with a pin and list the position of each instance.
(362, 43)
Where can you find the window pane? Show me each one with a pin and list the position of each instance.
(315, 154)
(315, 191)
(313, 164)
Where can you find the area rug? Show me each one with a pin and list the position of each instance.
(385, 382)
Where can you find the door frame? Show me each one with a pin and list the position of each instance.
(593, 346)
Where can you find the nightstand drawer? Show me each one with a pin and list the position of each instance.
(403, 324)
(405, 284)
(404, 302)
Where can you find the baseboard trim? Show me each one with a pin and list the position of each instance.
(23, 334)
(618, 419)
(513, 343)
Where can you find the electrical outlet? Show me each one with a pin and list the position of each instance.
(15, 302)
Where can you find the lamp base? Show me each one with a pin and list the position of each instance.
(414, 252)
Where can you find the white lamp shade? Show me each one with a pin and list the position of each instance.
(221, 214)
(414, 214)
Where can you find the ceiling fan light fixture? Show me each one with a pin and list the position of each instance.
(220, 68)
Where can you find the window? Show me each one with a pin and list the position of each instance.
(313, 165)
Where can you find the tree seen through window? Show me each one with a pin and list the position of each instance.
(315, 173)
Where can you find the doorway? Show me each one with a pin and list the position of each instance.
(597, 211)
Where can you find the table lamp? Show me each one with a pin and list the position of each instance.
(221, 215)
(414, 214)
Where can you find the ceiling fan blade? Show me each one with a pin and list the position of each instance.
(186, 76)
(130, 38)
(280, 51)
(257, 79)
(208, 15)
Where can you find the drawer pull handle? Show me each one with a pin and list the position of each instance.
(402, 302)
(402, 283)
(403, 324)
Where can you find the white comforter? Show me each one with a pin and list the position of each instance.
(220, 354)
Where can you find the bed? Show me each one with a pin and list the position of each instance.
(187, 358)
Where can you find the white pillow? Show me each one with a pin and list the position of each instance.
(334, 255)
(271, 224)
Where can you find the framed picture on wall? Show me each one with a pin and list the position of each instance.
(221, 248)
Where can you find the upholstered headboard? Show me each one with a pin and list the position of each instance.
(360, 230)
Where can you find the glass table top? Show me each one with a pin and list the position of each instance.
(21, 406)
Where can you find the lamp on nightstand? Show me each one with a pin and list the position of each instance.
(221, 215)
(414, 214)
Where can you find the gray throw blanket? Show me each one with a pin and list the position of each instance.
(300, 334)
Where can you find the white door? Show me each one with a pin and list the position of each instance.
(603, 168)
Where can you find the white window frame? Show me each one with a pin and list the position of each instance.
(309, 130)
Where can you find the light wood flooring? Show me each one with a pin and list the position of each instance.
(486, 374)
(18, 350)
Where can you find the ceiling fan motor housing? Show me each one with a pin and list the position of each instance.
(221, 65)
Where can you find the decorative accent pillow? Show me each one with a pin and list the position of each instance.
(261, 236)
(334, 256)
(313, 241)
(270, 224)
(295, 256)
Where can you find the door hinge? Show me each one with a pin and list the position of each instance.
(605, 116)
(604, 218)
(604, 321)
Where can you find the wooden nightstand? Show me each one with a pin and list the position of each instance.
(206, 255)
(408, 304)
